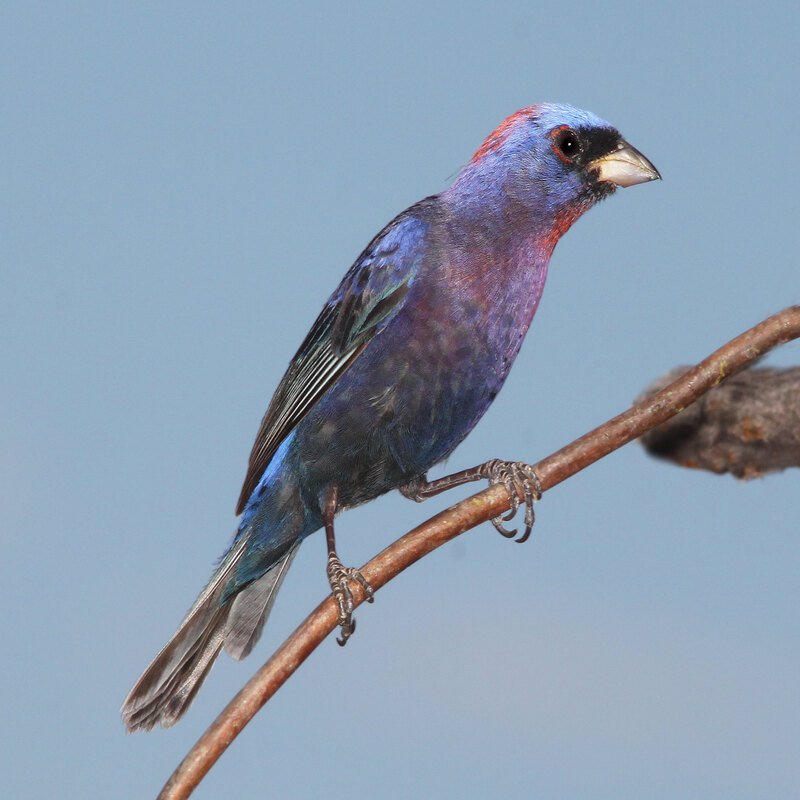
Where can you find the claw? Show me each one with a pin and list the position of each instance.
(502, 530)
(530, 517)
(515, 475)
(339, 577)
(348, 630)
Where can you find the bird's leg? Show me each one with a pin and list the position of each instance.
(516, 476)
(339, 575)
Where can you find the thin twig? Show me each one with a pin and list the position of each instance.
(479, 508)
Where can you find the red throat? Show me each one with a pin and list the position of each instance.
(561, 224)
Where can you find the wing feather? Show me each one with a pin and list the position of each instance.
(370, 294)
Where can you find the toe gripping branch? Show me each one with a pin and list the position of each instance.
(516, 476)
(339, 577)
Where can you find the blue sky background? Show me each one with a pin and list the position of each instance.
(182, 186)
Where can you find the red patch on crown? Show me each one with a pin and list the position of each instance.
(494, 141)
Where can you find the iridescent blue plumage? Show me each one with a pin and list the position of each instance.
(404, 359)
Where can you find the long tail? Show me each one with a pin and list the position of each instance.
(167, 687)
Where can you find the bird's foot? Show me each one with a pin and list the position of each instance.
(339, 577)
(515, 476)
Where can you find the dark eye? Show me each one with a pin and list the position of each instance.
(568, 144)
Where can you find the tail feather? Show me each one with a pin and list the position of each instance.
(251, 607)
(167, 687)
(166, 704)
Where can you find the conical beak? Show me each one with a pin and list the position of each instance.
(625, 166)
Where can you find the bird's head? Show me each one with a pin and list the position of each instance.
(555, 161)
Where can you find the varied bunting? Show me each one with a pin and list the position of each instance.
(404, 359)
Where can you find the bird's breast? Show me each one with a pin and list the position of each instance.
(457, 342)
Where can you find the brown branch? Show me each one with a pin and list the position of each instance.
(643, 416)
(748, 426)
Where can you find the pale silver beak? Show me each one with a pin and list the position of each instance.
(625, 166)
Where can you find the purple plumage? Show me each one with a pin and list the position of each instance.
(405, 358)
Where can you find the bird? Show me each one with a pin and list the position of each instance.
(405, 357)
